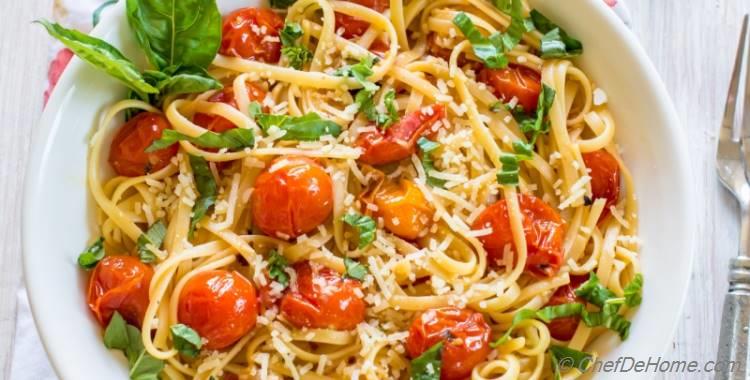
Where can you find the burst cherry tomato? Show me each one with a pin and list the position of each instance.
(517, 82)
(464, 333)
(127, 153)
(354, 27)
(219, 124)
(321, 298)
(404, 209)
(252, 33)
(120, 283)
(399, 140)
(542, 226)
(564, 328)
(605, 177)
(220, 306)
(293, 196)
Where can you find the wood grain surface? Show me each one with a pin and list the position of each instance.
(691, 42)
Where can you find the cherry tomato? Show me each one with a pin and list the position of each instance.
(542, 226)
(220, 306)
(127, 153)
(517, 82)
(320, 298)
(293, 196)
(464, 333)
(399, 140)
(379, 47)
(354, 27)
(252, 33)
(605, 177)
(219, 124)
(564, 328)
(120, 283)
(404, 209)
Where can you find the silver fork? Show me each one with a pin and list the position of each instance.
(733, 165)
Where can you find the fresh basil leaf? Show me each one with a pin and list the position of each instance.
(508, 173)
(116, 333)
(154, 237)
(92, 255)
(390, 105)
(97, 15)
(564, 358)
(101, 55)
(364, 225)
(276, 267)
(186, 79)
(233, 139)
(296, 54)
(146, 367)
(365, 103)
(186, 340)
(427, 147)
(488, 49)
(309, 127)
(282, 4)
(633, 291)
(549, 313)
(539, 124)
(354, 269)
(523, 150)
(361, 71)
(206, 186)
(428, 365)
(556, 43)
(291, 32)
(172, 33)
(520, 316)
(610, 319)
(255, 109)
(594, 292)
(127, 338)
(518, 25)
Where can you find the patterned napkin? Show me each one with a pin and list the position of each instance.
(29, 361)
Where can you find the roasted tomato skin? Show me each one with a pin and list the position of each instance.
(127, 154)
(464, 333)
(120, 283)
(354, 27)
(514, 81)
(244, 35)
(404, 209)
(542, 226)
(321, 298)
(564, 328)
(605, 177)
(398, 141)
(220, 306)
(293, 196)
(219, 124)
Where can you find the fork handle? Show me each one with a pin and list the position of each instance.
(735, 324)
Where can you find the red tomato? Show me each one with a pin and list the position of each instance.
(293, 196)
(464, 333)
(564, 328)
(220, 306)
(605, 177)
(379, 47)
(405, 211)
(246, 35)
(322, 299)
(120, 283)
(542, 226)
(399, 140)
(127, 153)
(354, 27)
(219, 124)
(514, 81)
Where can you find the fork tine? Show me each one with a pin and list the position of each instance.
(729, 147)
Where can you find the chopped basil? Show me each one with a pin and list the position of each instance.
(152, 239)
(546, 315)
(633, 291)
(427, 147)
(361, 72)
(127, 338)
(92, 255)
(276, 267)
(365, 103)
(556, 43)
(518, 24)
(233, 139)
(594, 292)
(564, 358)
(297, 55)
(354, 269)
(309, 127)
(186, 340)
(206, 185)
(390, 106)
(428, 365)
(508, 173)
(364, 225)
(488, 49)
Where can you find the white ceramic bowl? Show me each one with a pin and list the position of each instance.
(57, 214)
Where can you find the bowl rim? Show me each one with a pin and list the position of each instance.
(43, 138)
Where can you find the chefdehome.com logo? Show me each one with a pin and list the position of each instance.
(629, 364)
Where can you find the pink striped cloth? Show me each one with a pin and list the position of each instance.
(29, 361)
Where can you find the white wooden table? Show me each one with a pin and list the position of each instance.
(692, 44)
